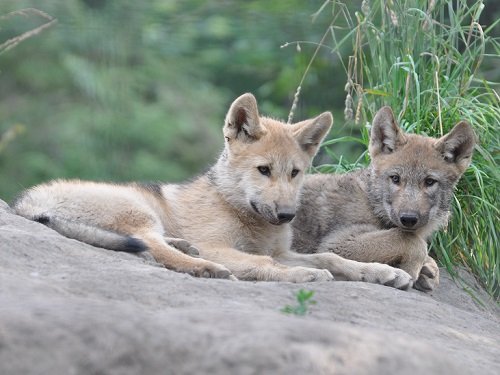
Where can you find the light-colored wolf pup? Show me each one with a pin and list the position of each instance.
(386, 212)
(236, 215)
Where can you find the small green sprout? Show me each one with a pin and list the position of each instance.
(304, 302)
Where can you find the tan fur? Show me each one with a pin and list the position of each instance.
(386, 213)
(235, 217)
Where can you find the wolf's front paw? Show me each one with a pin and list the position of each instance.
(428, 279)
(182, 245)
(386, 275)
(304, 275)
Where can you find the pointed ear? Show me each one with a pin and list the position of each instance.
(386, 135)
(457, 146)
(242, 120)
(310, 133)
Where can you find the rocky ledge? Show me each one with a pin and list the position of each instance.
(70, 308)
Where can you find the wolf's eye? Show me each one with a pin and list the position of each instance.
(429, 181)
(295, 172)
(264, 170)
(395, 179)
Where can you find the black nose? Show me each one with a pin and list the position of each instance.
(408, 219)
(285, 217)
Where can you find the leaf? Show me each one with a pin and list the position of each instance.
(376, 92)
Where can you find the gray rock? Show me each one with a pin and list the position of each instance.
(70, 308)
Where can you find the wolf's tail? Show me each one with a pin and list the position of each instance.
(92, 235)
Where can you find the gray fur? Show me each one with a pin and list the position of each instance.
(152, 187)
(359, 215)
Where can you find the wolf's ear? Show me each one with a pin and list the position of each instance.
(457, 146)
(242, 120)
(386, 135)
(310, 133)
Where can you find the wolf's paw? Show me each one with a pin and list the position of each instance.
(428, 279)
(182, 245)
(304, 275)
(211, 270)
(386, 275)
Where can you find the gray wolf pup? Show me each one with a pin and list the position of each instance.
(386, 212)
(236, 215)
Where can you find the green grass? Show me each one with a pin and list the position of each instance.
(424, 59)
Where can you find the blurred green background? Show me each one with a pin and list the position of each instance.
(131, 90)
(137, 90)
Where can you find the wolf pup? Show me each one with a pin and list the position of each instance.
(236, 215)
(386, 212)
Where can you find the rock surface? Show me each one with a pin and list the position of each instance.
(70, 308)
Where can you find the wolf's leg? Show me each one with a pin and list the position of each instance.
(345, 269)
(183, 245)
(428, 279)
(260, 267)
(176, 260)
(393, 246)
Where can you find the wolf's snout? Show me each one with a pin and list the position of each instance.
(408, 219)
(285, 216)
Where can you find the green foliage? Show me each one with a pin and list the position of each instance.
(304, 302)
(423, 59)
(125, 90)
(11, 133)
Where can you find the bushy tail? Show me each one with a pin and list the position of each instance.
(92, 235)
